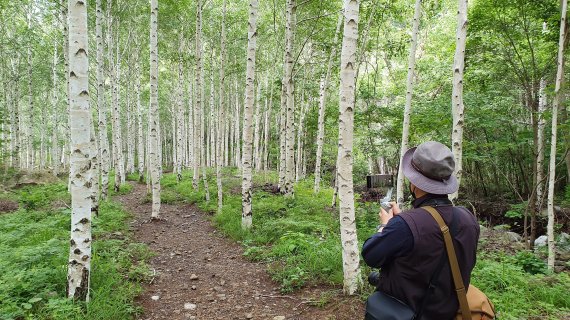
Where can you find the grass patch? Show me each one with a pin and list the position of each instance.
(299, 239)
(34, 247)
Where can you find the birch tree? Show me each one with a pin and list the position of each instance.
(350, 253)
(101, 107)
(247, 183)
(199, 102)
(221, 115)
(140, 129)
(457, 92)
(409, 95)
(322, 105)
(555, 106)
(154, 126)
(79, 266)
(289, 93)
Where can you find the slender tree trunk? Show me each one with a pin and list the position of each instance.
(221, 114)
(191, 126)
(322, 106)
(238, 144)
(101, 107)
(15, 114)
(66, 149)
(180, 115)
(247, 183)
(267, 132)
(457, 95)
(257, 129)
(542, 102)
(300, 144)
(154, 126)
(350, 252)
(288, 80)
(199, 102)
(79, 266)
(408, 106)
(29, 132)
(55, 115)
(140, 129)
(552, 170)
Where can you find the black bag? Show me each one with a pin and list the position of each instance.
(382, 306)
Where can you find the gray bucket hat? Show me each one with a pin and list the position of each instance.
(430, 167)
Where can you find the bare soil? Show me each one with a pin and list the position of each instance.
(200, 274)
(7, 206)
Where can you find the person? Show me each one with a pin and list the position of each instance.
(409, 246)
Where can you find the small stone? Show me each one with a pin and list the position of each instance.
(193, 277)
(155, 298)
(189, 306)
(193, 287)
(279, 318)
(223, 282)
(249, 316)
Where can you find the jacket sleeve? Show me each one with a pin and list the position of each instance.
(395, 240)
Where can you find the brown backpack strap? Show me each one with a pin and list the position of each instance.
(458, 281)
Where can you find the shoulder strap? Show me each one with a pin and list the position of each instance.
(458, 281)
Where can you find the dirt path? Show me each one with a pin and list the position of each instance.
(202, 275)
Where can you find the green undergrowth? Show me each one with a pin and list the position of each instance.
(299, 240)
(34, 248)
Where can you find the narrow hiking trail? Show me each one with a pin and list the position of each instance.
(200, 274)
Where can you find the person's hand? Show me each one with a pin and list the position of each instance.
(386, 216)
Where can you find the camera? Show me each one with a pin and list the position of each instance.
(374, 278)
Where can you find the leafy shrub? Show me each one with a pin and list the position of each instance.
(34, 246)
(529, 262)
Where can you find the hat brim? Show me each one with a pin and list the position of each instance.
(448, 186)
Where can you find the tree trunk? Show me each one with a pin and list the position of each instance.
(457, 95)
(199, 102)
(257, 129)
(290, 114)
(350, 252)
(154, 127)
(322, 107)
(55, 115)
(267, 132)
(409, 95)
(300, 144)
(101, 107)
(179, 115)
(79, 266)
(542, 102)
(221, 114)
(140, 129)
(247, 183)
(552, 169)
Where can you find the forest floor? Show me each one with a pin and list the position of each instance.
(200, 274)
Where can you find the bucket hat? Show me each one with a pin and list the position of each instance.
(430, 167)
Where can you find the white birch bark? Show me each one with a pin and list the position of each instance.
(257, 129)
(409, 95)
(140, 129)
(212, 126)
(552, 169)
(542, 102)
(267, 132)
(130, 140)
(199, 102)
(290, 114)
(79, 266)
(190, 129)
(322, 106)
(101, 107)
(300, 131)
(350, 252)
(238, 131)
(457, 95)
(66, 149)
(154, 127)
(55, 114)
(221, 114)
(29, 130)
(179, 115)
(247, 183)
(15, 115)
